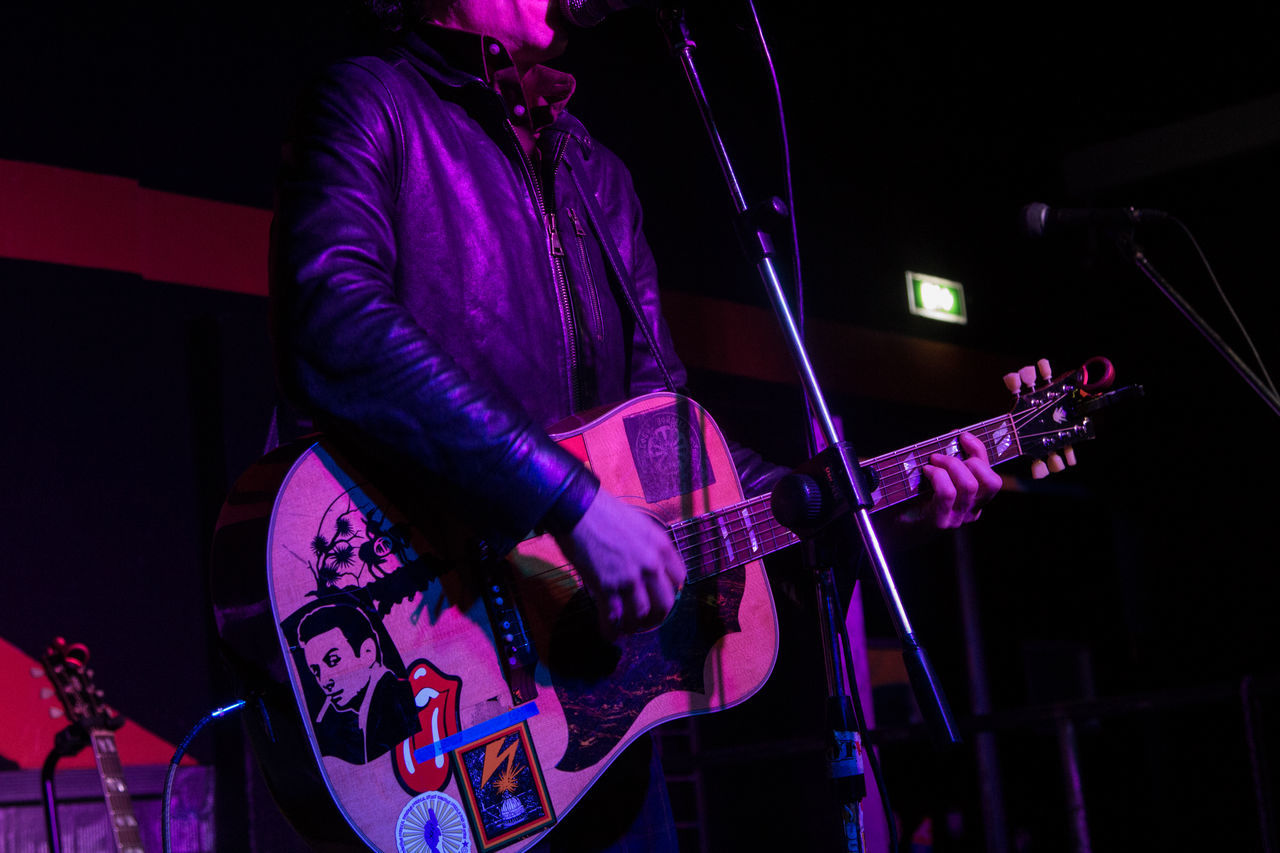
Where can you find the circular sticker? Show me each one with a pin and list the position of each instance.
(433, 823)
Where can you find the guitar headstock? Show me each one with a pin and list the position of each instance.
(67, 666)
(1051, 414)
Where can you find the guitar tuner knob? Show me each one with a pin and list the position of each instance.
(1069, 454)
(1013, 382)
(1043, 367)
(1028, 375)
(1055, 463)
(1039, 470)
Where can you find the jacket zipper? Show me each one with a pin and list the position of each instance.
(593, 297)
(555, 252)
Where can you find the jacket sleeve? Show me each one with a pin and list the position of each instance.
(350, 354)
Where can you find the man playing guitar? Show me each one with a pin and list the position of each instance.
(457, 266)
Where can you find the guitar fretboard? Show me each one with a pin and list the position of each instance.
(746, 531)
(124, 826)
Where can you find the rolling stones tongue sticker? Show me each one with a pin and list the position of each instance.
(436, 696)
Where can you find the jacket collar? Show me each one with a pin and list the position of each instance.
(459, 59)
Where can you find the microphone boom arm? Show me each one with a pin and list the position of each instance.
(1135, 254)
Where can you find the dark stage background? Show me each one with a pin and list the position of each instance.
(1145, 579)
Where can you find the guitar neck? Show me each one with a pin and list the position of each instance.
(124, 826)
(747, 531)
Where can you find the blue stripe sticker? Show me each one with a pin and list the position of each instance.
(518, 714)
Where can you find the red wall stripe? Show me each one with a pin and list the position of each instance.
(64, 216)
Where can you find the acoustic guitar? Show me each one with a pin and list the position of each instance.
(437, 700)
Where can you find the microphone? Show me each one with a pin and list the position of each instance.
(1038, 218)
(588, 13)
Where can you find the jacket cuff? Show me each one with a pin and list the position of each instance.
(572, 503)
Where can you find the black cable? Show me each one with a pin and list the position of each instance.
(177, 759)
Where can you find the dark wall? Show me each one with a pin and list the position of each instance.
(917, 134)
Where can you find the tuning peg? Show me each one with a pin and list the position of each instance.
(1028, 375)
(1069, 453)
(1039, 470)
(1055, 463)
(1043, 366)
(77, 655)
(1013, 382)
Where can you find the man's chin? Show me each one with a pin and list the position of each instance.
(548, 49)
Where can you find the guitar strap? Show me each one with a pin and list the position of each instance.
(625, 282)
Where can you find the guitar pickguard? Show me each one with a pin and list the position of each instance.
(603, 686)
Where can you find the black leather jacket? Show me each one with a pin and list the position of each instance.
(421, 278)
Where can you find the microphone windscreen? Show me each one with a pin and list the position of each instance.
(588, 13)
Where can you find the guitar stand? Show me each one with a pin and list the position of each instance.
(67, 742)
(837, 481)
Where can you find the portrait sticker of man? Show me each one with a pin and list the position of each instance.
(367, 708)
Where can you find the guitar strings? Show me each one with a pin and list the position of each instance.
(698, 537)
(722, 540)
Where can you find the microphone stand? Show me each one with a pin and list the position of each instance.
(1131, 250)
(66, 743)
(837, 465)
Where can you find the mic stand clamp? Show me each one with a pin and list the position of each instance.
(816, 493)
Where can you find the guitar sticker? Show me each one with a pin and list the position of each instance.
(502, 781)
(436, 697)
(666, 447)
(356, 543)
(432, 823)
(360, 704)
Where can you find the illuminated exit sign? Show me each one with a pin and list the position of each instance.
(936, 298)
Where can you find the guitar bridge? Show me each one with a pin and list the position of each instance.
(515, 652)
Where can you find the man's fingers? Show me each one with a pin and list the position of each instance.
(989, 482)
(961, 486)
(636, 605)
(628, 563)
(973, 447)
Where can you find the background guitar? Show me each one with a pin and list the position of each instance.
(89, 717)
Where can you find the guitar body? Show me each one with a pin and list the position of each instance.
(454, 706)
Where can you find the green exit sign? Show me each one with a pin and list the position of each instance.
(936, 298)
